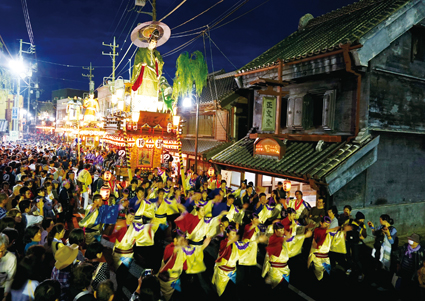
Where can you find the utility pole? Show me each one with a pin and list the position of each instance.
(129, 69)
(153, 10)
(112, 55)
(15, 112)
(90, 75)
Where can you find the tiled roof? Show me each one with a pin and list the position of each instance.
(329, 32)
(301, 159)
(218, 87)
(205, 147)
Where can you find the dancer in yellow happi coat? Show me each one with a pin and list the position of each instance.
(231, 251)
(140, 234)
(89, 221)
(294, 239)
(277, 256)
(145, 209)
(174, 262)
(325, 240)
(198, 227)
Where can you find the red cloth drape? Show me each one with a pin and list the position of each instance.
(139, 79)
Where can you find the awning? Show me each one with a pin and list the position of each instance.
(4, 125)
(330, 164)
(206, 148)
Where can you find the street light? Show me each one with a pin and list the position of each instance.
(187, 103)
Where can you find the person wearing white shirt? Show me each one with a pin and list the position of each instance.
(7, 267)
(332, 213)
(25, 208)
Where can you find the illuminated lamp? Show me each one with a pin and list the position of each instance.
(187, 102)
(287, 185)
(105, 192)
(121, 105)
(176, 120)
(135, 116)
(211, 171)
(114, 99)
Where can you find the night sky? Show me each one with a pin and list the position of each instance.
(71, 32)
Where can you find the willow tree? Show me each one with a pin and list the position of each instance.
(191, 70)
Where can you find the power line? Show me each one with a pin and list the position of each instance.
(5, 46)
(124, 13)
(197, 15)
(70, 66)
(221, 52)
(242, 15)
(172, 10)
(27, 21)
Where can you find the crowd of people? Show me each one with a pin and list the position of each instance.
(74, 231)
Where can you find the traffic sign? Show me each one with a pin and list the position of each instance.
(15, 112)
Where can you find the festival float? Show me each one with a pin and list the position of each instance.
(144, 115)
(87, 129)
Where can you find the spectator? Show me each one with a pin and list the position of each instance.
(344, 217)
(54, 239)
(25, 281)
(30, 218)
(7, 267)
(332, 213)
(105, 291)
(410, 260)
(317, 212)
(3, 202)
(32, 236)
(81, 278)
(355, 235)
(385, 241)
(94, 254)
(48, 290)
(61, 272)
(76, 236)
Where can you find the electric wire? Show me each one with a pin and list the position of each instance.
(222, 52)
(7, 49)
(122, 15)
(116, 14)
(241, 15)
(27, 21)
(183, 32)
(200, 14)
(177, 7)
(71, 66)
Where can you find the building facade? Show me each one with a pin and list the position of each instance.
(340, 110)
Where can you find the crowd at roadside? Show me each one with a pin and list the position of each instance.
(73, 231)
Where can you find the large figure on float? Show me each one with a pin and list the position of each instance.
(92, 107)
(148, 65)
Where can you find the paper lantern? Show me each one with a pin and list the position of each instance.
(287, 185)
(107, 176)
(105, 192)
(211, 171)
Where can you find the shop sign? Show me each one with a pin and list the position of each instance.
(269, 114)
(153, 119)
(269, 147)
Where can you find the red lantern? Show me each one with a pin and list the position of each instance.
(211, 171)
(287, 185)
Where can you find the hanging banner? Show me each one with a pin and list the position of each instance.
(269, 114)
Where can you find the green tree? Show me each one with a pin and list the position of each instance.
(190, 70)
